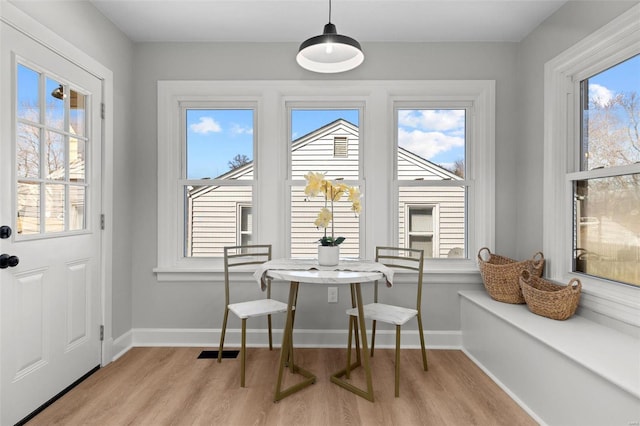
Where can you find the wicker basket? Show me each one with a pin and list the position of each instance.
(500, 275)
(550, 300)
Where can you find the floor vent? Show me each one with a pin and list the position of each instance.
(214, 354)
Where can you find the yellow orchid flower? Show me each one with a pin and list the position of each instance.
(314, 183)
(324, 217)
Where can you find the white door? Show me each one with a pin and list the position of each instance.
(50, 198)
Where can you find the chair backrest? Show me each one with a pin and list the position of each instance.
(404, 259)
(235, 256)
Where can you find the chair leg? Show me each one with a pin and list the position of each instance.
(243, 351)
(373, 336)
(270, 337)
(397, 361)
(422, 346)
(224, 330)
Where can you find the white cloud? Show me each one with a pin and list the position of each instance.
(432, 120)
(600, 95)
(428, 144)
(206, 125)
(237, 129)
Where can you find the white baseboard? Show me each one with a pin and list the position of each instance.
(505, 388)
(259, 338)
(122, 344)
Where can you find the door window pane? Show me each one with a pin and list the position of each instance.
(27, 151)
(28, 94)
(55, 104)
(28, 208)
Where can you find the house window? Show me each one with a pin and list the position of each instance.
(320, 141)
(340, 147)
(588, 193)
(431, 170)
(217, 178)
(245, 230)
(420, 229)
(222, 181)
(606, 220)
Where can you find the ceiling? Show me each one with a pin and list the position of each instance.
(297, 20)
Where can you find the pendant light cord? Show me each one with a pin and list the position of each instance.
(329, 11)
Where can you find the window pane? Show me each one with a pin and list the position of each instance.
(219, 143)
(28, 151)
(212, 216)
(54, 156)
(607, 237)
(28, 208)
(431, 143)
(449, 223)
(305, 234)
(77, 113)
(28, 94)
(314, 132)
(77, 201)
(77, 172)
(610, 116)
(423, 243)
(54, 210)
(55, 104)
(421, 219)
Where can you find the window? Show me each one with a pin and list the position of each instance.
(218, 175)
(322, 139)
(420, 229)
(430, 170)
(606, 224)
(51, 150)
(232, 157)
(590, 224)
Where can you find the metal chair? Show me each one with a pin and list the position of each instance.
(237, 256)
(397, 258)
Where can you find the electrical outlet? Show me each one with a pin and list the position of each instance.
(333, 295)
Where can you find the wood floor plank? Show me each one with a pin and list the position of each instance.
(171, 386)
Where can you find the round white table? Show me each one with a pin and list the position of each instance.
(313, 276)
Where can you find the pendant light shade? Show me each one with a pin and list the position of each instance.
(330, 52)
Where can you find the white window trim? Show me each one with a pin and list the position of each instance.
(435, 218)
(377, 129)
(614, 42)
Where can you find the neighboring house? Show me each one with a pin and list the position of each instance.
(430, 218)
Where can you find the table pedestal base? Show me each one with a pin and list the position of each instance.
(287, 358)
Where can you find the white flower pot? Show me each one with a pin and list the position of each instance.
(328, 255)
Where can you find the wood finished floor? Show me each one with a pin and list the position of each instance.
(170, 386)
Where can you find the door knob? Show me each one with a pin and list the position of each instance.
(8, 261)
(5, 232)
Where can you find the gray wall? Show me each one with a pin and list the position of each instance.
(140, 301)
(197, 305)
(571, 23)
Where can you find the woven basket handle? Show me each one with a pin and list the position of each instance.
(525, 275)
(480, 254)
(538, 260)
(575, 285)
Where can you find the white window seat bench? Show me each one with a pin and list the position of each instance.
(573, 372)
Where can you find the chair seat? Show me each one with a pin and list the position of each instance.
(256, 308)
(390, 314)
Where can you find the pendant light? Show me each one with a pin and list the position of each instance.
(330, 52)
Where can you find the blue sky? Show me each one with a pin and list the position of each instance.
(214, 137)
(624, 77)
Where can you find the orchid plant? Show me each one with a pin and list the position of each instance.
(332, 191)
